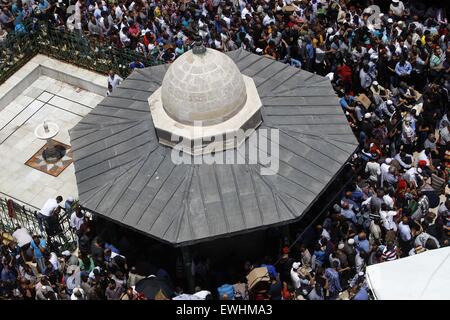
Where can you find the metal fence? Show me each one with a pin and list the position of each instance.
(78, 48)
(16, 50)
(13, 215)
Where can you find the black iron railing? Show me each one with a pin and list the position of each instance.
(78, 48)
(14, 215)
(15, 50)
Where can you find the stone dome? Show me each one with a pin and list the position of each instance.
(205, 86)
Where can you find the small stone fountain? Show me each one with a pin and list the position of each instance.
(46, 131)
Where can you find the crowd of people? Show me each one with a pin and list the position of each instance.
(33, 266)
(316, 35)
(391, 70)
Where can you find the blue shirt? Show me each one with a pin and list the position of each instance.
(271, 269)
(351, 202)
(19, 28)
(403, 70)
(134, 65)
(7, 275)
(349, 214)
(362, 294)
(344, 103)
(320, 257)
(357, 195)
(310, 51)
(161, 40)
(334, 284)
(218, 27)
(295, 63)
(362, 244)
(37, 252)
(185, 22)
(362, 138)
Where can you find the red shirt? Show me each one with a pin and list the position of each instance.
(345, 72)
(134, 30)
(375, 149)
(148, 40)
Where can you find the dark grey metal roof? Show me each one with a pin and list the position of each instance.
(124, 174)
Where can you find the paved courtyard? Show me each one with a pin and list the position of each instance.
(46, 99)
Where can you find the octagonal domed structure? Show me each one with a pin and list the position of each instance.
(124, 173)
(206, 87)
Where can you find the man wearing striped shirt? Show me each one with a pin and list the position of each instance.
(389, 252)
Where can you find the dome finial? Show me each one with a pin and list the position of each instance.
(198, 47)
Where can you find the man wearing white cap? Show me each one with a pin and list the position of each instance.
(390, 106)
(378, 90)
(349, 250)
(299, 280)
(69, 258)
(78, 294)
(341, 255)
(384, 110)
(412, 174)
(384, 169)
(44, 289)
(397, 7)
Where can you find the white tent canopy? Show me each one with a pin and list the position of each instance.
(424, 276)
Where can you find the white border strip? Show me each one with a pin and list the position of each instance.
(41, 65)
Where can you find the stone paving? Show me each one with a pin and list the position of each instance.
(45, 99)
